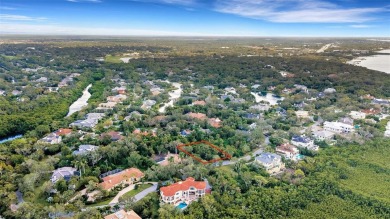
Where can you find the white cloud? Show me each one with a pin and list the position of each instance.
(296, 11)
(361, 26)
(7, 8)
(15, 17)
(51, 29)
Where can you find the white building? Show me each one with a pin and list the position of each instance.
(338, 127)
(304, 141)
(288, 151)
(357, 115)
(323, 135)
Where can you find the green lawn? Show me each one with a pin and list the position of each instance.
(101, 202)
(140, 188)
(113, 59)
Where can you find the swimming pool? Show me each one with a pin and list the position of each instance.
(300, 156)
(182, 206)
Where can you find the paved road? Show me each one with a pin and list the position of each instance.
(246, 158)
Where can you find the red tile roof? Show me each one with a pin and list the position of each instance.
(215, 122)
(371, 111)
(286, 148)
(115, 179)
(182, 186)
(122, 214)
(63, 132)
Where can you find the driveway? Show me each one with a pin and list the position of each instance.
(138, 196)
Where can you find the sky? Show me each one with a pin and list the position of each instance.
(307, 18)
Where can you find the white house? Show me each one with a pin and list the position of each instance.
(85, 149)
(304, 141)
(357, 115)
(323, 135)
(338, 127)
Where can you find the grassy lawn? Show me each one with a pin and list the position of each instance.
(101, 202)
(113, 59)
(140, 188)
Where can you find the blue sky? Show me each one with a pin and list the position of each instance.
(356, 18)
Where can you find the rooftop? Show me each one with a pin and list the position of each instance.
(182, 186)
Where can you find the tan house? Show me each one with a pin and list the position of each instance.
(122, 214)
(127, 176)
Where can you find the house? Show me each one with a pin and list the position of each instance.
(164, 159)
(338, 127)
(115, 136)
(87, 123)
(147, 104)
(119, 90)
(63, 132)
(380, 101)
(107, 106)
(230, 90)
(301, 87)
(302, 114)
(63, 173)
(51, 138)
(127, 176)
(255, 86)
(304, 141)
(197, 115)
(85, 149)
(199, 103)
(41, 79)
(122, 214)
(288, 151)
(186, 191)
(271, 162)
(16, 92)
(346, 120)
(329, 91)
(91, 121)
(215, 122)
(371, 111)
(357, 115)
(117, 98)
(323, 135)
(2, 92)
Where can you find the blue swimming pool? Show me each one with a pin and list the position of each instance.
(300, 156)
(182, 205)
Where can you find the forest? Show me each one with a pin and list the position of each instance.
(348, 177)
